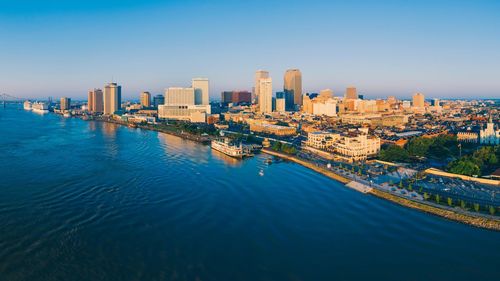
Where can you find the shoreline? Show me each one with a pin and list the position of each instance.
(480, 222)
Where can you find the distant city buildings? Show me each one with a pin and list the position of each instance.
(158, 100)
(236, 97)
(95, 101)
(65, 103)
(266, 95)
(293, 86)
(190, 104)
(145, 99)
(351, 93)
(418, 103)
(112, 98)
(201, 89)
(259, 74)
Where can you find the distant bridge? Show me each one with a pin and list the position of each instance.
(6, 98)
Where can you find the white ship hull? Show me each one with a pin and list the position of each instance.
(40, 107)
(229, 150)
(27, 105)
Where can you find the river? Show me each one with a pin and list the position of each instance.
(84, 200)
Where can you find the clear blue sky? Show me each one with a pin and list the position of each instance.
(63, 48)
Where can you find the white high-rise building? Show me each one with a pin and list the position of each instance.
(182, 96)
(259, 74)
(112, 98)
(201, 89)
(266, 95)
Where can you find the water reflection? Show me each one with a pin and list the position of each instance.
(230, 161)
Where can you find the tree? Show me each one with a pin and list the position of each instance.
(394, 153)
(401, 183)
(476, 207)
(450, 202)
(492, 210)
(438, 198)
(426, 196)
(276, 146)
(410, 187)
(462, 204)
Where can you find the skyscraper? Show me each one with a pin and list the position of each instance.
(418, 100)
(158, 100)
(65, 103)
(351, 93)
(201, 88)
(146, 99)
(266, 95)
(293, 85)
(259, 74)
(95, 101)
(177, 96)
(112, 98)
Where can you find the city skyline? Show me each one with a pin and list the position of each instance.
(440, 49)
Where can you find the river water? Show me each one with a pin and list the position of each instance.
(95, 201)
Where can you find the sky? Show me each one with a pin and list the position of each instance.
(444, 49)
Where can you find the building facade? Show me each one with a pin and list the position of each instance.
(95, 101)
(112, 98)
(65, 103)
(266, 95)
(146, 99)
(259, 74)
(201, 89)
(293, 85)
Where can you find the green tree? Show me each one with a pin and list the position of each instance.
(492, 210)
(394, 153)
(450, 202)
(462, 204)
(437, 198)
(476, 207)
(401, 183)
(426, 196)
(276, 146)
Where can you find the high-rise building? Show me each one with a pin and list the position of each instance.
(259, 74)
(351, 93)
(418, 100)
(293, 85)
(435, 102)
(95, 101)
(236, 97)
(180, 105)
(112, 98)
(280, 104)
(177, 95)
(266, 95)
(145, 99)
(158, 100)
(201, 88)
(65, 103)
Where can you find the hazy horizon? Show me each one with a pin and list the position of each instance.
(444, 50)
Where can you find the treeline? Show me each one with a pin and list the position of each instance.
(441, 148)
(482, 162)
(283, 147)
